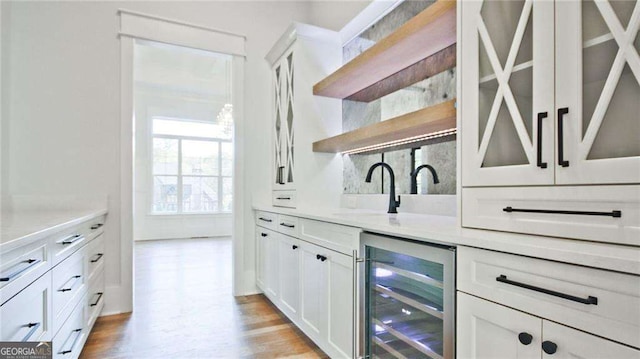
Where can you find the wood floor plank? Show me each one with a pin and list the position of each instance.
(184, 309)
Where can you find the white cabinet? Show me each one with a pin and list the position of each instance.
(313, 289)
(487, 330)
(549, 100)
(597, 92)
(492, 331)
(311, 278)
(289, 268)
(543, 107)
(327, 298)
(303, 56)
(506, 116)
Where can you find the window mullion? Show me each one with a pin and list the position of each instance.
(220, 176)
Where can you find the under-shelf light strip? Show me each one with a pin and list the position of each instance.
(447, 132)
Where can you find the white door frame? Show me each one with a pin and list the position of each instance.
(150, 27)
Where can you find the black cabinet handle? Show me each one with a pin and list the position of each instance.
(541, 116)
(287, 225)
(589, 300)
(263, 234)
(525, 338)
(265, 219)
(74, 280)
(96, 226)
(97, 300)
(549, 347)
(561, 112)
(294, 247)
(614, 214)
(31, 263)
(284, 198)
(34, 327)
(321, 257)
(280, 176)
(73, 344)
(72, 239)
(97, 258)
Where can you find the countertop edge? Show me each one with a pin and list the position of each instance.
(39, 234)
(607, 256)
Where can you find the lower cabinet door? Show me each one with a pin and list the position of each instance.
(261, 243)
(272, 263)
(339, 269)
(562, 342)
(289, 248)
(313, 291)
(71, 336)
(27, 316)
(492, 331)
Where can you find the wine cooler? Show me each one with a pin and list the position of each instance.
(407, 299)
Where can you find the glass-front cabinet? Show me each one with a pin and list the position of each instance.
(408, 299)
(283, 117)
(546, 103)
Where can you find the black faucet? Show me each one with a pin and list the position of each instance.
(414, 176)
(393, 204)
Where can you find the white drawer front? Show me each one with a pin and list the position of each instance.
(284, 199)
(67, 242)
(288, 225)
(21, 266)
(488, 208)
(520, 282)
(94, 258)
(94, 300)
(339, 238)
(266, 219)
(27, 316)
(68, 287)
(67, 344)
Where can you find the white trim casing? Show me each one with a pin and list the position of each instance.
(155, 28)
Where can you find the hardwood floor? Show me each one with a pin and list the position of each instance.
(184, 309)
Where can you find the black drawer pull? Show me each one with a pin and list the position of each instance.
(614, 214)
(72, 239)
(287, 225)
(590, 300)
(69, 288)
(34, 327)
(284, 198)
(96, 226)
(265, 219)
(99, 294)
(321, 257)
(97, 258)
(541, 116)
(561, 112)
(75, 341)
(31, 263)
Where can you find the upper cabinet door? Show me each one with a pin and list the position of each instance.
(507, 103)
(597, 92)
(284, 77)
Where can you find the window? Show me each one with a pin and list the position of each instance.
(192, 166)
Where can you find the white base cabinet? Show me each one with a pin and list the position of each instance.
(312, 284)
(487, 330)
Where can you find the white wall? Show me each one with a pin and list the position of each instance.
(64, 101)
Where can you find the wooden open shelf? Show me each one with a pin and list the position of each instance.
(422, 47)
(396, 133)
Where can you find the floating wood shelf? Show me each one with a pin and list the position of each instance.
(422, 47)
(431, 124)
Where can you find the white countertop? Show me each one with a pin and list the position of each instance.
(445, 230)
(21, 227)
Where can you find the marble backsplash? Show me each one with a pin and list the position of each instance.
(428, 92)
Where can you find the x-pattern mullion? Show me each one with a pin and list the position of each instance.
(504, 89)
(626, 54)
